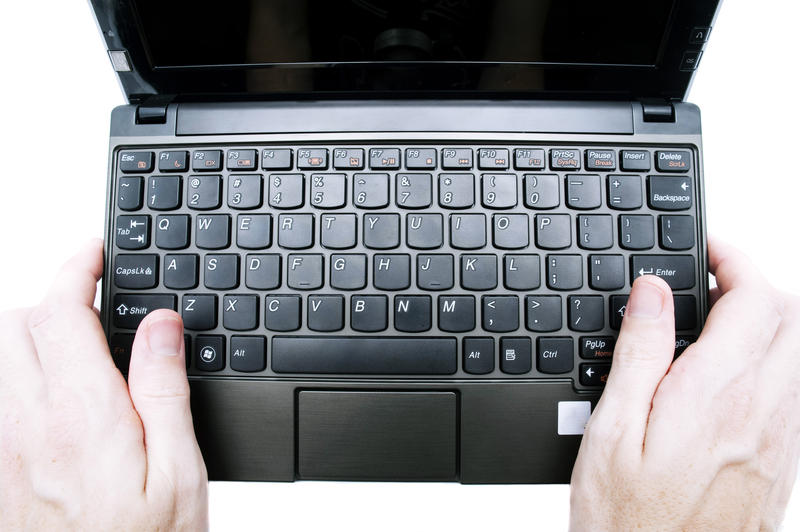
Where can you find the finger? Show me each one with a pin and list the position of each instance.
(713, 296)
(643, 354)
(160, 393)
(76, 282)
(731, 267)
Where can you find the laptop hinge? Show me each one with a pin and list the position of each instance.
(658, 111)
(153, 110)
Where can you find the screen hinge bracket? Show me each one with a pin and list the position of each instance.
(658, 111)
(153, 110)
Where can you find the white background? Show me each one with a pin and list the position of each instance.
(55, 102)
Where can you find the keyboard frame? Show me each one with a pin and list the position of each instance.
(271, 453)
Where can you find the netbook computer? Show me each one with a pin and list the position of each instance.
(401, 234)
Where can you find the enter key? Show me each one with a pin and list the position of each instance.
(677, 270)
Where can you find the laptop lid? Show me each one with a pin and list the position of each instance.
(275, 49)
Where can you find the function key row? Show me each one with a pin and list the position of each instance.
(679, 161)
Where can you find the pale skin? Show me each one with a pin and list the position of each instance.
(709, 442)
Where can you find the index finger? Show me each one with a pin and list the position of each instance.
(731, 267)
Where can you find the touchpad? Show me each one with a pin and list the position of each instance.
(377, 435)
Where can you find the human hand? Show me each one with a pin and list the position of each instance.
(79, 447)
(710, 442)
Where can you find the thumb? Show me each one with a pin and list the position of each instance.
(160, 394)
(644, 351)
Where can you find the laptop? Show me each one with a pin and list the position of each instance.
(401, 235)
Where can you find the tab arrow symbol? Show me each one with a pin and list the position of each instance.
(122, 310)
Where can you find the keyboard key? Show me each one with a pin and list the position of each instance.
(685, 312)
(553, 231)
(348, 158)
(164, 193)
(136, 162)
(618, 304)
(129, 193)
(365, 355)
(424, 231)
(204, 192)
(597, 347)
(282, 313)
(677, 270)
(199, 311)
(564, 272)
(180, 271)
(624, 192)
(312, 159)
(413, 191)
(209, 353)
(435, 272)
(499, 191)
(478, 355)
(276, 159)
(381, 231)
(493, 159)
(543, 313)
(172, 232)
(467, 231)
(325, 313)
(456, 191)
(682, 343)
(242, 159)
(555, 355)
(384, 158)
(515, 355)
(634, 161)
(391, 272)
(338, 231)
(262, 272)
(529, 159)
(132, 232)
(240, 312)
(296, 231)
(500, 313)
(584, 191)
(677, 232)
(213, 231)
(328, 191)
(221, 272)
(244, 191)
(173, 161)
(673, 161)
(606, 272)
(121, 346)
(371, 191)
(565, 159)
(306, 272)
(130, 309)
(136, 272)
(542, 191)
(286, 191)
(207, 160)
(586, 313)
(420, 158)
(456, 158)
(636, 231)
(254, 231)
(348, 272)
(667, 193)
(595, 231)
(456, 313)
(478, 272)
(601, 160)
(594, 374)
(521, 272)
(369, 313)
(248, 353)
(412, 313)
(510, 231)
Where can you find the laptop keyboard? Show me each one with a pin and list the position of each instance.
(445, 262)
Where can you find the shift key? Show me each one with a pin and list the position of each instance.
(130, 309)
(677, 270)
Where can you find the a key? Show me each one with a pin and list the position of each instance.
(348, 272)
(668, 193)
(130, 309)
(209, 353)
(384, 158)
(286, 191)
(584, 191)
(204, 192)
(381, 231)
(456, 158)
(624, 192)
(325, 313)
(242, 159)
(276, 159)
(467, 231)
(136, 272)
(543, 313)
(500, 313)
(542, 191)
(456, 191)
(199, 311)
(132, 232)
(553, 231)
(221, 272)
(499, 191)
(136, 162)
(338, 231)
(685, 313)
(510, 231)
(369, 313)
(515, 355)
(213, 231)
(601, 160)
(207, 160)
(282, 313)
(493, 159)
(248, 353)
(555, 355)
(296, 231)
(164, 193)
(635, 161)
(244, 191)
(371, 191)
(262, 272)
(673, 161)
(564, 272)
(636, 231)
(412, 313)
(478, 272)
(595, 231)
(129, 193)
(420, 158)
(435, 272)
(594, 374)
(172, 232)
(521, 272)
(677, 232)
(597, 347)
(677, 270)
(391, 272)
(173, 161)
(456, 313)
(606, 272)
(254, 231)
(586, 313)
(312, 159)
(424, 231)
(565, 159)
(413, 191)
(529, 159)
(478, 355)
(348, 159)
(180, 271)
(328, 191)
(240, 312)
(306, 272)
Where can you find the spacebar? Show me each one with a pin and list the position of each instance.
(364, 355)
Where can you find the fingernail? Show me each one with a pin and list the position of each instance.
(165, 337)
(646, 301)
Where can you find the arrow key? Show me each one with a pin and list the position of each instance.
(594, 374)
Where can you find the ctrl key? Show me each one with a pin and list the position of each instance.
(209, 353)
(130, 309)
